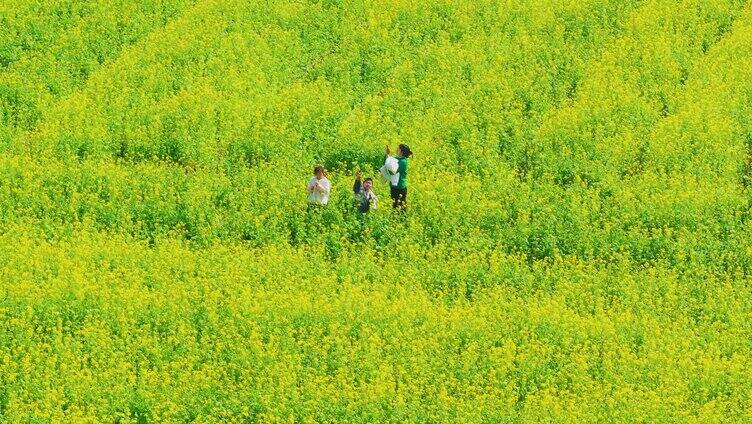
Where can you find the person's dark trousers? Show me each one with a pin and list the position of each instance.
(399, 198)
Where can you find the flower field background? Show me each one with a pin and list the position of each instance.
(578, 245)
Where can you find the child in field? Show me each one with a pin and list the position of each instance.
(367, 199)
(318, 187)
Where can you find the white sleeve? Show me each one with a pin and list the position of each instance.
(326, 185)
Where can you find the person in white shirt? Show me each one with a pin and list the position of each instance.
(318, 187)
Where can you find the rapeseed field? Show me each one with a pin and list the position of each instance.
(576, 246)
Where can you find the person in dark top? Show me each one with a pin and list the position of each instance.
(398, 180)
(363, 189)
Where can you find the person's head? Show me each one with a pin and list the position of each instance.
(319, 172)
(368, 184)
(404, 151)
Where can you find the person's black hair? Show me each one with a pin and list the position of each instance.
(368, 179)
(406, 152)
(318, 168)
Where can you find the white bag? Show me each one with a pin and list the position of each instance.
(389, 170)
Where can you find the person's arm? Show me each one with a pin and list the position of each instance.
(390, 169)
(357, 185)
(311, 186)
(325, 186)
(320, 185)
(375, 201)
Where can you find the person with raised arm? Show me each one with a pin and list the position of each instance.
(363, 189)
(395, 170)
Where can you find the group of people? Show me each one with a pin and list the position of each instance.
(394, 171)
